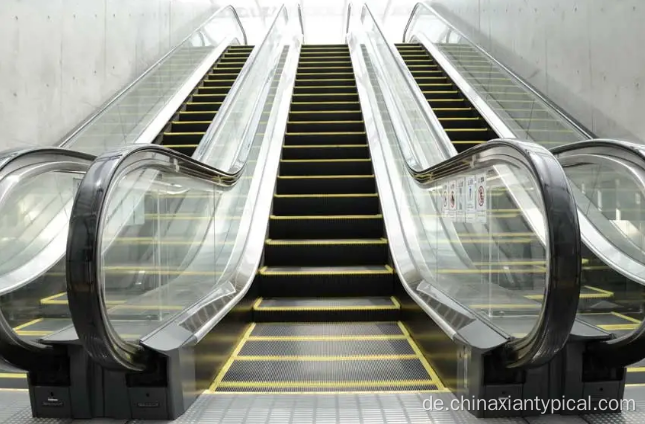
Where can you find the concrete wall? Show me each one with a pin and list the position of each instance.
(61, 59)
(585, 55)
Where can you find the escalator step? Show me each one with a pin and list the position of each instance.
(466, 134)
(347, 151)
(315, 138)
(328, 75)
(333, 309)
(448, 103)
(196, 116)
(273, 331)
(364, 204)
(326, 167)
(325, 97)
(303, 82)
(325, 227)
(182, 139)
(313, 89)
(317, 252)
(320, 126)
(321, 65)
(331, 184)
(327, 116)
(189, 126)
(203, 106)
(307, 106)
(322, 348)
(214, 90)
(442, 94)
(219, 82)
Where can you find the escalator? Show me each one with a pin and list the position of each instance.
(326, 318)
(40, 308)
(608, 300)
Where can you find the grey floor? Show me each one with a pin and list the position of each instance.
(333, 408)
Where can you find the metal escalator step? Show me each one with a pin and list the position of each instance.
(228, 82)
(331, 309)
(329, 74)
(305, 138)
(325, 97)
(454, 113)
(203, 106)
(465, 134)
(214, 90)
(441, 94)
(182, 142)
(635, 375)
(309, 349)
(189, 126)
(308, 62)
(303, 82)
(316, 204)
(196, 116)
(307, 106)
(324, 227)
(324, 375)
(323, 88)
(208, 97)
(320, 252)
(327, 184)
(426, 73)
(319, 126)
(288, 331)
(327, 116)
(325, 167)
(448, 103)
(347, 151)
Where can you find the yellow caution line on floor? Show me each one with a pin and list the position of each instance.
(325, 384)
(626, 318)
(13, 375)
(28, 324)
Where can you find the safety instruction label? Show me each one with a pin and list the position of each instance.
(464, 199)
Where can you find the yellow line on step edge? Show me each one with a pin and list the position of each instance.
(324, 338)
(335, 358)
(330, 384)
(395, 305)
(324, 242)
(231, 359)
(386, 270)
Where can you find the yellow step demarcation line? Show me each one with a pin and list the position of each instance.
(265, 270)
(325, 195)
(318, 146)
(325, 103)
(20, 329)
(325, 160)
(328, 133)
(309, 177)
(324, 122)
(599, 294)
(299, 217)
(334, 242)
(395, 305)
(418, 355)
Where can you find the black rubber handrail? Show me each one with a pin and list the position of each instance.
(562, 290)
(586, 134)
(84, 284)
(18, 351)
(628, 348)
(559, 308)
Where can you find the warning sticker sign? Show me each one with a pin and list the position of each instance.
(481, 198)
(471, 188)
(461, 200)
(444, 201)
(452, 199)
